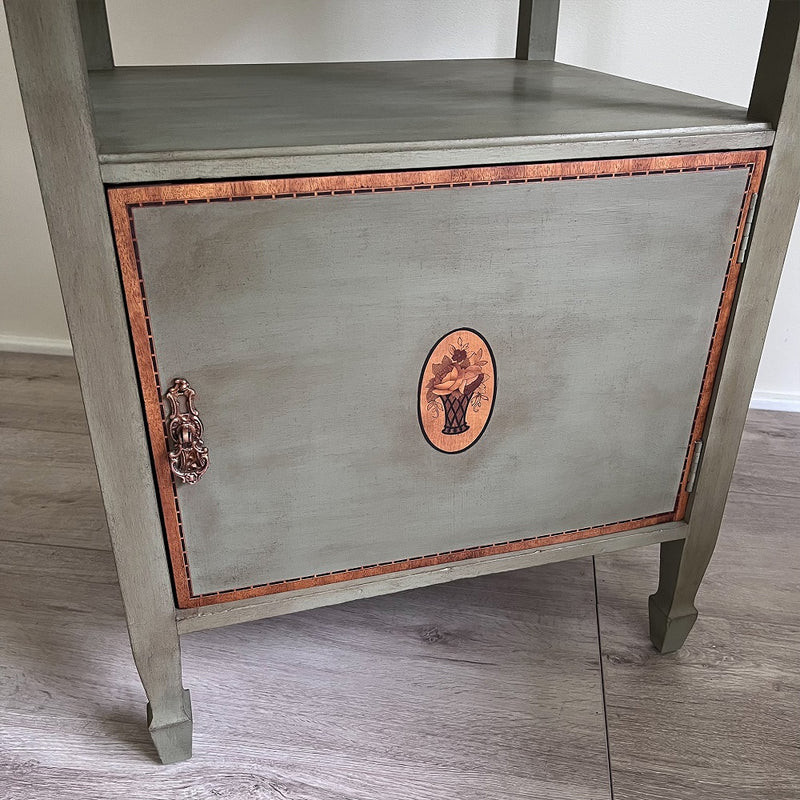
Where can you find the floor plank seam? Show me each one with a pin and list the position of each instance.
(602, 678)
(53, 546)
(29, 429)
(742, 493)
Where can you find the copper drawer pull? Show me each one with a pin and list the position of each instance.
(188, 456)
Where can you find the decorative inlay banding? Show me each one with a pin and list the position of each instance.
(123, 201)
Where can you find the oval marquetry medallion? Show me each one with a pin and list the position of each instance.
(457, 390)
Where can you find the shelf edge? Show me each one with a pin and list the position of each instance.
(217, 164)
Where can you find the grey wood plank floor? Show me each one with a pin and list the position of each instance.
(720, 719)
(487, 688)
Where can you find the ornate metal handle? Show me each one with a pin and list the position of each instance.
(188, 456)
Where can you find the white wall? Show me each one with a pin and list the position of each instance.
(30, 300)
(707, 47)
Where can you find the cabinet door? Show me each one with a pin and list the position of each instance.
(397, 370)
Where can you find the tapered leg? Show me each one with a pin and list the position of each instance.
(173, 740)
(672, 610)
(48, 54)
(169, 711)
(776, 97)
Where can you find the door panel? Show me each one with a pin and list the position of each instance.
(303, 311)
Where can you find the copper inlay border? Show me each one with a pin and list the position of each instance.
(123, 201)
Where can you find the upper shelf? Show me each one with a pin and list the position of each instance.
(172, 123)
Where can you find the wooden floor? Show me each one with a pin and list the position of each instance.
(532, 684)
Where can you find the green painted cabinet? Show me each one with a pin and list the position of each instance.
(351, 329)
(584, 296)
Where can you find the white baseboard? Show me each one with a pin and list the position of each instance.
(767, 401)
(775, 401)
(32, 344)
